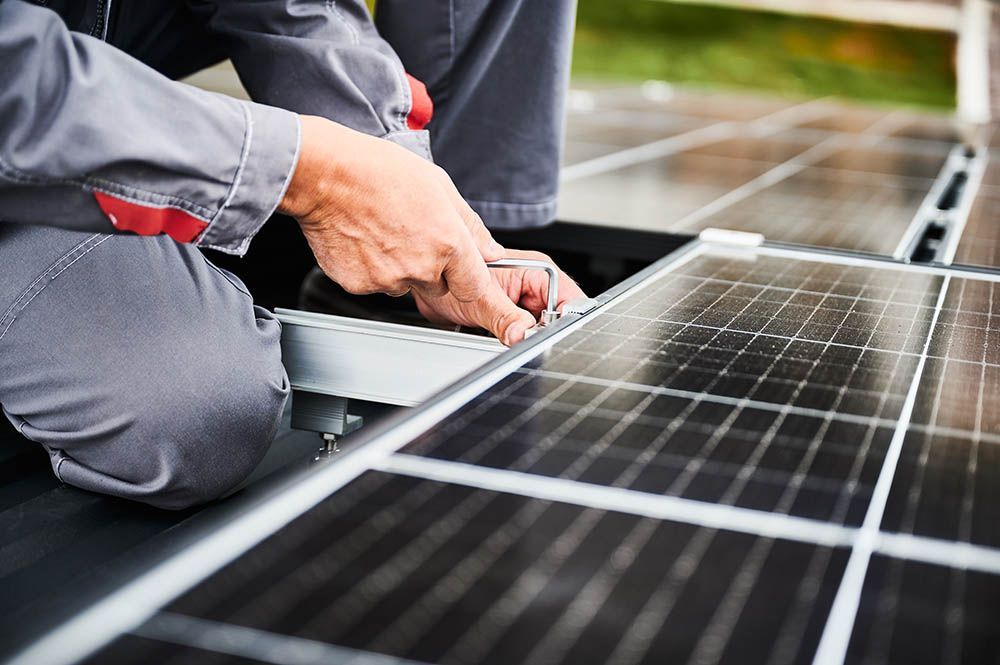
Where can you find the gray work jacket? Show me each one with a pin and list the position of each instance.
(92, 139)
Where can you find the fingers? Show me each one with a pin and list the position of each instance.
(498, 314)
(466, 276)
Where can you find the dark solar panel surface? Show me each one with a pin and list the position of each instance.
(445, 574)
(127, 649)
(917, 614)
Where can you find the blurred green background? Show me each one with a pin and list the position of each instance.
(704, 45)
(635, 40)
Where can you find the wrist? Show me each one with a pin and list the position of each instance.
(299, 200)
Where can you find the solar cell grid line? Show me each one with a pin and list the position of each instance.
(175, 639)
(842, 619)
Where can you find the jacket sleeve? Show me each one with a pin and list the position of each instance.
(93, 140)
(322, 57)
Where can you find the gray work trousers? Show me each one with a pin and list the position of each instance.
(146, 372)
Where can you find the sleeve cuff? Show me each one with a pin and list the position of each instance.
(270, 152)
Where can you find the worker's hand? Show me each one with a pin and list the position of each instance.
(380, 219)
(514, 301)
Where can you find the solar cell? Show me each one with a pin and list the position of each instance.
(914, 613)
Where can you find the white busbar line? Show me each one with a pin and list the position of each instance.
(617, 499)
(836, 636)
(648, 151)
(692, 139)
(258, 645)
(947, 553)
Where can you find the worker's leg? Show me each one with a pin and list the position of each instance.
(497, 71)
(143, 370)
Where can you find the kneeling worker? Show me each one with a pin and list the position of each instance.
(144, 370)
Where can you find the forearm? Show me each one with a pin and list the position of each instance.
(91, 139)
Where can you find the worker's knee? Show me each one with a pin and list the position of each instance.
(186, 436)
(214, 439)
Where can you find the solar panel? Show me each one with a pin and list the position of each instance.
(762, 383)
(749, 456)
(433, 572)
(828, 208)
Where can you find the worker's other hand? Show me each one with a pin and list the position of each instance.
(513, 303)
(380, 219)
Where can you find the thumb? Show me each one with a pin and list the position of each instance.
(497, 313)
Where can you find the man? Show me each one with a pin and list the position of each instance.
(145, 371)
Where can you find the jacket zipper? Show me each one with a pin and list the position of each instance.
(101, 24)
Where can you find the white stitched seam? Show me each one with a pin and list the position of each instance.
(281, 195)
(35, 295)
(331, 6)
(244, 158)
(45, 273)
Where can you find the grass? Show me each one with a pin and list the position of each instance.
(649, 39)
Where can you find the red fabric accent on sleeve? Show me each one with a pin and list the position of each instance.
(423, 108)
(150, 220)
